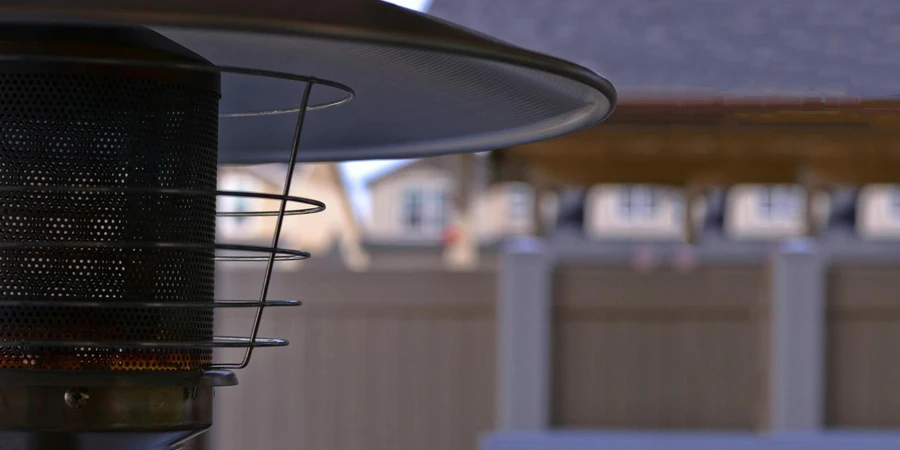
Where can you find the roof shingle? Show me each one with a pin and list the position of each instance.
(778, 47)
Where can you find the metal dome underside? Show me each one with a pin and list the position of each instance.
(421, 86)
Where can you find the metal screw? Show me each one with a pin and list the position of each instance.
(76, 397)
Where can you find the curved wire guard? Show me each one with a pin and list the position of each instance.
(270, 254)
(292, 162)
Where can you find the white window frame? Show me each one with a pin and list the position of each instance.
(778, 202)
(435, 206)
(520, 202)
(412, 198)
(894, 203)
(638, 203)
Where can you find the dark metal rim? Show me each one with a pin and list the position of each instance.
(280, 254)
(39, 409)
(348, 91)
(316, 206)
(215, 342)
(90, 378)
(150, 305)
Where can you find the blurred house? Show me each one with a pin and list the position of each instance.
(412, 211)
(716, 95)
(412, 206)
(747, 212)
(415, 211)
(765, 120)
(332, 236)
(879, 212)
(411, 220)
(558, 343)
(562, 340)
(414, 203)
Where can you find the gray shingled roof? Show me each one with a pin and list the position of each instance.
(786, 47)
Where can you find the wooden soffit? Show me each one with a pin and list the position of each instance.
(715, 141)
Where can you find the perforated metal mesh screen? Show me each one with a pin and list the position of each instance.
(77, 129)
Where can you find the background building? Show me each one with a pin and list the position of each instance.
(415, 203)
(700, 272)
(332, 236)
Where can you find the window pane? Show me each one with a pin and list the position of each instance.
(443, 202)
(412, 209)
(779, 201)
(624, 195)
(895, 202)
(519, 201)
(639, 202)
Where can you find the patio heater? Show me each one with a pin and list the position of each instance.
(114, 116)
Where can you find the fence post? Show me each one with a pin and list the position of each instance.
(523, 332)
(797, 352)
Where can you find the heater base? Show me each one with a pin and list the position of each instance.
(21, 440)
(104, 410)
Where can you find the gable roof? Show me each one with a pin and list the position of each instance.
(815, 48)
(443, 163)
(273, 175)
(270, 174)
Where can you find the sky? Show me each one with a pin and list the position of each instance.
(418, 5)
(356, 174)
